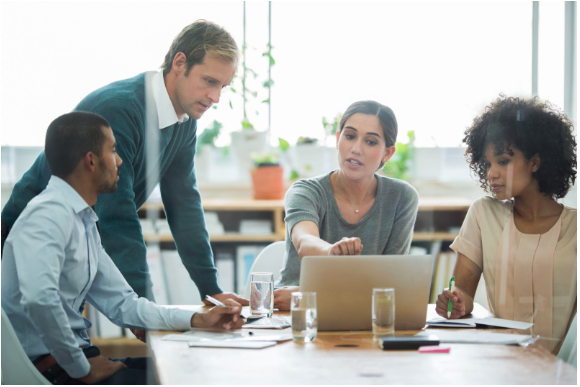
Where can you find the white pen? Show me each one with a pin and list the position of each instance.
(214, 301)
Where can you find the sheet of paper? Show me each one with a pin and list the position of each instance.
(221, 335)
(471, 323)
(498, 322)
(268, 323)
(233, 344)
(477, 337)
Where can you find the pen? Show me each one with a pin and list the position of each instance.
(219, 303)
(451, 288)
(214, 301)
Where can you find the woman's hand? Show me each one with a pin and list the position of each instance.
(346, 246)
(459, 299)
(283, 296)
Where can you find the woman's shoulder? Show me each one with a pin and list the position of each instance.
(395, 186)
(318, 185)
(487, 206)
(569, 219)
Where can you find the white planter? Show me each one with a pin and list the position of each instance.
(311, 160)
(244, 143)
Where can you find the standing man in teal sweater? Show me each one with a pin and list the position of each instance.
(201, 61)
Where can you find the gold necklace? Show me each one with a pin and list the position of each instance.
(348, 201)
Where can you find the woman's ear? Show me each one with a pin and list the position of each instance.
(388, 153)
(337, 137)
(536, 162)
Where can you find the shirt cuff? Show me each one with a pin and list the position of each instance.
(79, 367)
(181, 319)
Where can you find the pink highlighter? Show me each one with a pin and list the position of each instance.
(434, 349)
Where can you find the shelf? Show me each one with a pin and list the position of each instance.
(222, 238)
(433, 236)
(417, 237)
(230, 205)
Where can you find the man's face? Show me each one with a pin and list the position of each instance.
(197, 91)
(108, 165)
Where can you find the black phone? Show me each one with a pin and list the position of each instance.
(407, 342)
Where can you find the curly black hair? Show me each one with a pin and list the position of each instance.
(533, 127)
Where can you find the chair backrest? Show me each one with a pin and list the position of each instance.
(269, 260)
(16, 366)
(568, 352)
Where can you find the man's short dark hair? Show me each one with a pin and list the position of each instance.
(70, 137)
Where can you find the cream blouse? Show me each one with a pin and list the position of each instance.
(529, 277)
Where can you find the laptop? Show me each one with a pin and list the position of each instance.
(344, 288)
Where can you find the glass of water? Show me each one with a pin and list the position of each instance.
(304, 320)
(383, 312)
(262, 294)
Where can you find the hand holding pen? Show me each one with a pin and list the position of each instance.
(451, 303)
(225, 316)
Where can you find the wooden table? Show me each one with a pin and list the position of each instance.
(328, 361)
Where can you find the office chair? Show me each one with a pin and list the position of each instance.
(269, 260)
(16, 366)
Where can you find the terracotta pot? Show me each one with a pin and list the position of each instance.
(268, 183)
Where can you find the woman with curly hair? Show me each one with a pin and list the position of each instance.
(521, 239)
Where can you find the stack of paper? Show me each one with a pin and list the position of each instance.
(213, 224)
(255, 227)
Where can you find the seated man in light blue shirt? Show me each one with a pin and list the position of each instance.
(54, 261)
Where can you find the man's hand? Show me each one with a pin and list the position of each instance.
(140, 334)
(346, 246)
(283, 296)
(101, 369)
(220, 317)
(227, 295)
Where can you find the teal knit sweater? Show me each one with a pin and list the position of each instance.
(122, 103)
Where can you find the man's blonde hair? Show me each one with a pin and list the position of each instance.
(199, 38)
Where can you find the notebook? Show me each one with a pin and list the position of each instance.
(474, 322)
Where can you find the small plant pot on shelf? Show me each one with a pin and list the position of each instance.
(267, 182)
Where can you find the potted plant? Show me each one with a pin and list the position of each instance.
(400, 165)
(267, 177)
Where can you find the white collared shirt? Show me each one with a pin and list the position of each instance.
(165, 110)
(53, 259)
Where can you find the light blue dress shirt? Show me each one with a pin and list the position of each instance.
(52, 261)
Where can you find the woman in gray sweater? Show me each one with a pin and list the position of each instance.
(351, 210)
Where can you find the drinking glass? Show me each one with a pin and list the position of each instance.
(383, 312)
(262, 294)
(304, 320)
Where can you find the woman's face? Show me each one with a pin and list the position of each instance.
(361, 146)
(509, 174)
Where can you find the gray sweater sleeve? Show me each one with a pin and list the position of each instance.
(402, 231)
(303, 201)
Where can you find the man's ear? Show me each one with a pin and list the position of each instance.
(179, 63)
(536, 163)
(90, 161)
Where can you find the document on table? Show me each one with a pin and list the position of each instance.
(206, 335)
(268, 323)
(478, 337)
(473, 322)
(232, 344)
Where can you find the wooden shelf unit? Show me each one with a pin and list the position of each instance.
(437, 214)
(275, 207)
